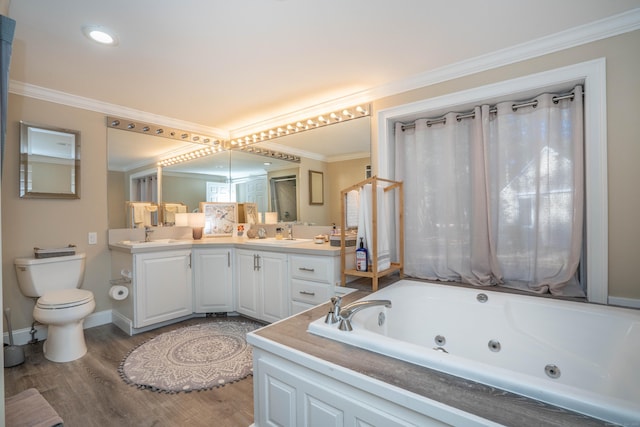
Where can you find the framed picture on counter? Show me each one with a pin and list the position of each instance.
(219, 218)
(248, 213)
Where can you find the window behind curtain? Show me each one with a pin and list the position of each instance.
(497, 198)
(145, 189)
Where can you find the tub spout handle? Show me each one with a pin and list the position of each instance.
(349, 310)
(332, 315)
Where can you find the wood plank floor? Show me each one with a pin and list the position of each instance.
(89, 391)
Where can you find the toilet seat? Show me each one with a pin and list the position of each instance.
(65, 298)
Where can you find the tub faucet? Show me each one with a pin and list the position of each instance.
(332, 315)
(347, 312)
(147, 233)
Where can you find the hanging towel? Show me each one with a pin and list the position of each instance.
(353, 208)
(365, 225)
(151, 215)
(170, 213)
(138, 213)
(384, 254)
(364, 218)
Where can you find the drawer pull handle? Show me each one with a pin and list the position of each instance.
(306, 269)
(308, 293)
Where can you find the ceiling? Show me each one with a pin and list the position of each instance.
(230, 64)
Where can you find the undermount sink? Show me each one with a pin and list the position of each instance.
(157, 242)
(278, 242)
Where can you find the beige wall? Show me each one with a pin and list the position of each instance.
(341, 175)
(313, 214)
(51, 178)
(190, 190)
(49, 223)
(116, 199)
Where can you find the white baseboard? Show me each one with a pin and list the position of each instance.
(98, 319)
(23, 336)
(624, 302)
(126, 324)
(122, 322)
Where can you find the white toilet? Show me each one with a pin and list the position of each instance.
(60, 306)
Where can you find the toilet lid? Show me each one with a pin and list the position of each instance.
(64, 298)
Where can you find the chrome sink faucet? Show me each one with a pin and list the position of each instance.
(289, 232)
(347, 312)
(147, 232)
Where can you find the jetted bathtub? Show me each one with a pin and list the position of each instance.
(583, 357)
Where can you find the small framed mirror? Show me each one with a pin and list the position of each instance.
(49, 162)
(316, 188)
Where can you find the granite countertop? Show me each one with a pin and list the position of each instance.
(481, 400)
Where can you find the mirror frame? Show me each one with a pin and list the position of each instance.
(26, 175)
(316, 188)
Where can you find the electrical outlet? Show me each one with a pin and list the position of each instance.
(93, 238)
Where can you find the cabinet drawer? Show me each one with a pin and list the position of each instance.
(318, 269)
(309, 292)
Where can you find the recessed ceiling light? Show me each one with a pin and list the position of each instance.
(100, 35)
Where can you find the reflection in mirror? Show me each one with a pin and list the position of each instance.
(316, 188)
(283, 198)
(250, 174)
(202, 180)
(49, 162)
(341, 151)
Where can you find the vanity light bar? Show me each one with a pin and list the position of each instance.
(315, 122)
(166, 132)
(208, 151)
(244, 143)
(270, 153)
(192, 155)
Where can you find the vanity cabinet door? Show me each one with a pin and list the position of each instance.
(163, 286)
(274, 302)
(213, 286)
(247, 283)
(262, 284)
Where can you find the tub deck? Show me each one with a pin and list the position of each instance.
(481, 400)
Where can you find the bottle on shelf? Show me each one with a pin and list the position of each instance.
(362, 257)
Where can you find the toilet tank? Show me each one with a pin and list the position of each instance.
(36, 276)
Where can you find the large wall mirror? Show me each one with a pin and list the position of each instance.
(340, 151)
(49, 162)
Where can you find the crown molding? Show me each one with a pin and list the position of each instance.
(350, 156)
(587, 33)
(576, 36)
(63, 98)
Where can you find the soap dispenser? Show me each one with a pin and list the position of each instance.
(362, 257)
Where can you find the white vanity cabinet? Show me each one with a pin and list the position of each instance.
(162, 286)
(213, 280)
(313, 279)
(262, 284)
(291, 395)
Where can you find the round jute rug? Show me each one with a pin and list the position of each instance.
(197, 357)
